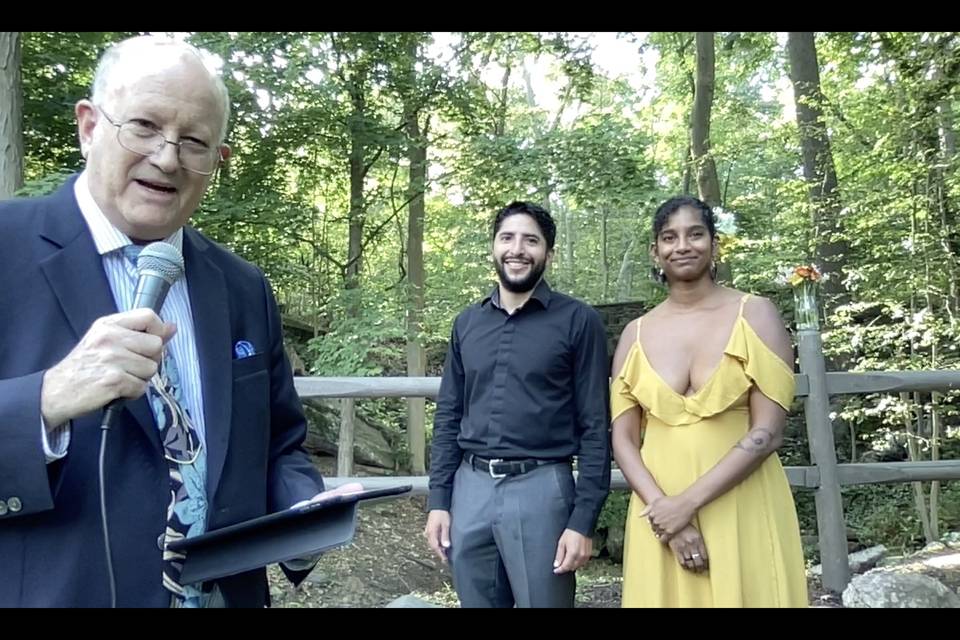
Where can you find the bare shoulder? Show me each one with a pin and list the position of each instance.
(629, 332)
(762, 314)
(767, 322)
(627, 338)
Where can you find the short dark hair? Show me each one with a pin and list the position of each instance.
(544, 220)
(668, 208)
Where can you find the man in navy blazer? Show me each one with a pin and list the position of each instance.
(67, 349)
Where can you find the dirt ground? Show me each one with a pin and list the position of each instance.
(389, 558)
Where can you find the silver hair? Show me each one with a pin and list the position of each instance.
(102, 78)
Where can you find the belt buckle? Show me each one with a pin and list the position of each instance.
(494, 475)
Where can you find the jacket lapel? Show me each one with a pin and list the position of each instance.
(75, 274)
(211, 323)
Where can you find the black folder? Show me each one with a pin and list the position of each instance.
(285, 535)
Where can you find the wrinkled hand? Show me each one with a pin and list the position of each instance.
(115, 359)
(573, 551)
(343, 490)
(437, 532)
(668, 515)
(691, 552)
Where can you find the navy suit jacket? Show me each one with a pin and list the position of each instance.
(52, 288)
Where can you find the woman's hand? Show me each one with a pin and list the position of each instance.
(690, 550)
(668, 515)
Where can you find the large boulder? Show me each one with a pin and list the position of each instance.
(860, 561)
(370, 446)
(883, 588)
(410, 601)
(615, 536)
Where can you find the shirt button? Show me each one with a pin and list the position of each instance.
(160, 541)
(3, 508)
(14, 504)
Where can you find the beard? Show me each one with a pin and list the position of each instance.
(524, 284)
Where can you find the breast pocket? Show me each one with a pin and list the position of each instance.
(250, 365)
(249, 449)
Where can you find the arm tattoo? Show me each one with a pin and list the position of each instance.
(758, 441)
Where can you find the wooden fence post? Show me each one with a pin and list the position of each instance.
(345, 444)
(831, 527)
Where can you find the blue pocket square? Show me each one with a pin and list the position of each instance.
(243, 349)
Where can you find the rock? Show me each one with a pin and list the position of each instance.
(881, 588)
(860, 561)
(827, 601)
(615, 543)
(318, 578)
(949, 561)
(863, 561)
(891, 560)
(599, 542)
(296, 362)
(410, 601)
(370, 447)
(934, 547)
(354, 585)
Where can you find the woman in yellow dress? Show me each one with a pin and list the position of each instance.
(701, 386)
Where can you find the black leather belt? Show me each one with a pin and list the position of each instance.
(501, 467)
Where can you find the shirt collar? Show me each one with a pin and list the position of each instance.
(541, 293)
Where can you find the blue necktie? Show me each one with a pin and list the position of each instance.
(186, 461)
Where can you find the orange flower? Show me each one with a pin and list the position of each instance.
(804, 272)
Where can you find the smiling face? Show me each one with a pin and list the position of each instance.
(150, 197)
(684, 248)
(520, 253)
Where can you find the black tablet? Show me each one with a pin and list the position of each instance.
(285, 535)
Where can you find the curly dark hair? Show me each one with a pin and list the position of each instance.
(668, 208)
(544, 220)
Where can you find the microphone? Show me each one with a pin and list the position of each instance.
(159, 265)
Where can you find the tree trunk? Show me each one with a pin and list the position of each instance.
(913, 437)
(928, 286)
(356, 214)
(708, 184)
(831, 249)
(914, 454)
(500, 126)
(604, 262)
(625, 277)
(11, 115)
(934, 456)
(949, 235)
(853, 442)
(569, 238)
(416, 357)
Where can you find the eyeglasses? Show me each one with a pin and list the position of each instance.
(194, 156)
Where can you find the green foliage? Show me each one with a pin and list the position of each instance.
(44, 185)
(614, 512)
(883, 514)
(57, 70)
(320, 134)
(368, 343)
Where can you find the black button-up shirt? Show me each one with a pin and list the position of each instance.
(534, 384)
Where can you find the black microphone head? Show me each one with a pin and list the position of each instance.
(162, 259)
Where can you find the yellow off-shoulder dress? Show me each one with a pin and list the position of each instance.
(751, 533)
